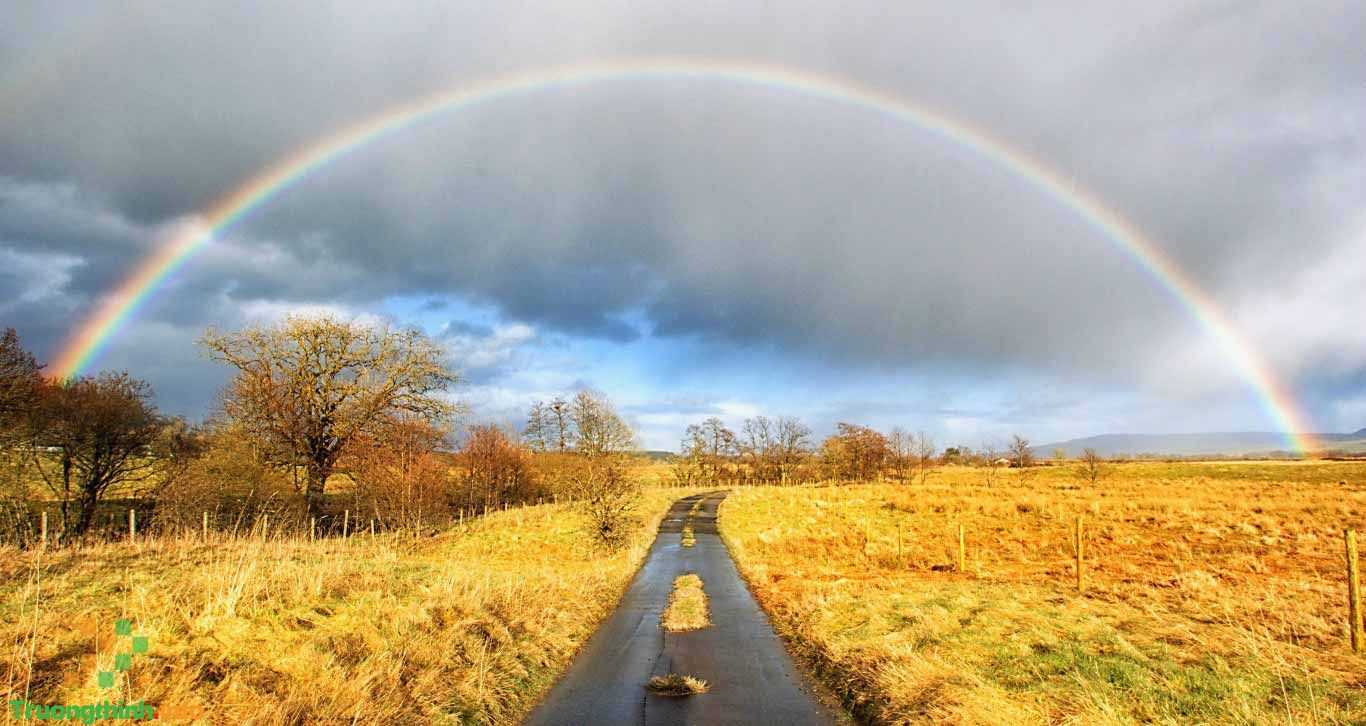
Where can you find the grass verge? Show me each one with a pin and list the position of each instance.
(470, 626)
(1210, 598)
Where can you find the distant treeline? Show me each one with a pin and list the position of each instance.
(325, 420)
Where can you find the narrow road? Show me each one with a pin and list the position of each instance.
(753, 679)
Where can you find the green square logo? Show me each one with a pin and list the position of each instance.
(139, 644)
(106, 679)
(123, 627)
(123, 661)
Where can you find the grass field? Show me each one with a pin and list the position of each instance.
(469, 626)
(1215, 593)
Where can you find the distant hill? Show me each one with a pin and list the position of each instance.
(1211, 444)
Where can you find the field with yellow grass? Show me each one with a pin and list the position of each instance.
(1214, 592)
(469, 626)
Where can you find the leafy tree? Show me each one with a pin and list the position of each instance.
(20, 383)
(854, 452)
(308, 387)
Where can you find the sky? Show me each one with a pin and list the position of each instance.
(697, 248)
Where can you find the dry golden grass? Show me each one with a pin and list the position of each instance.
(687, 605)
(689, 537)
(677, 685)
(1215, 593)
(470, 626)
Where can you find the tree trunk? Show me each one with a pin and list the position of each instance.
(317, 473)
(88, 501)
(66, 490)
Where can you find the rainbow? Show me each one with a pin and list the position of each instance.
(94, 334)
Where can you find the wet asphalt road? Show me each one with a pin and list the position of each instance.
(753, 679)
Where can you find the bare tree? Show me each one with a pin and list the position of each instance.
(1021, 453)
(307, 388)
(606, 493)
(496, 469)
(94, 434)
(791, 446)
(1059, 454)
(990, 459)
(901, 453)
(756, 447)
(536, 433)
(709, 447)
(924, 453)
(401, 473)
(228, 478)
(1092, 465)
(557, 424)
(597, 427)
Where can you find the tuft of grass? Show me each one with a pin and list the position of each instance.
(687, 606)
(677, 685)
(689, 537)
(470, 626)
(1215, 593)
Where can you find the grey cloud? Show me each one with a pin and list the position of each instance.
(690, 210)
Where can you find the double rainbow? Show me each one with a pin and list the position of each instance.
(95, 333)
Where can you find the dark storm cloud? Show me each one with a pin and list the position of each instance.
(749, 217)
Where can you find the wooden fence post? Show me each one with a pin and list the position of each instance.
(44, 529)
(312, 529)
(962, 551)
(204, 526)
(1081, 562)
(372, 530)
(346, 522)
(1353, 592)
(132, 526)
(265, 526)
